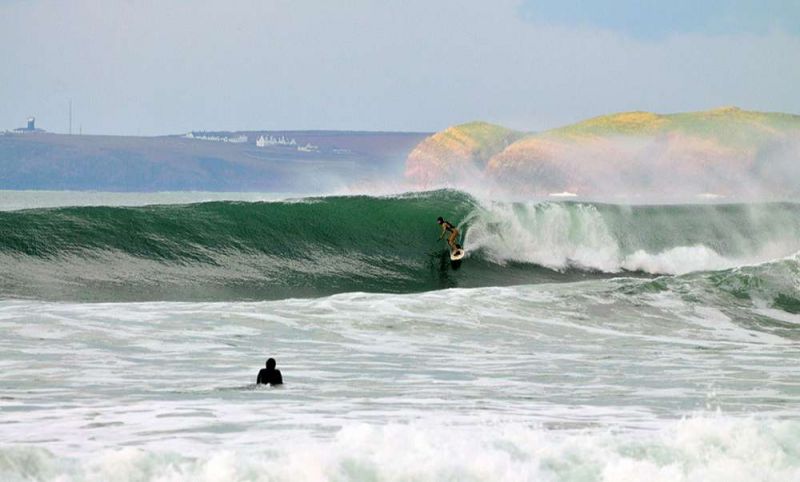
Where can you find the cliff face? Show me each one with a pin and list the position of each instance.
(457, 154)
(724, 152)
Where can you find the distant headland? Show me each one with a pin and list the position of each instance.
(724, 153)
(275, 161)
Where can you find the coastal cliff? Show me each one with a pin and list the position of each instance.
(721, 153)
(458, 153)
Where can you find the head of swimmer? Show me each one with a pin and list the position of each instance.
(271, 364)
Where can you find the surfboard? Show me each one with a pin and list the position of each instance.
(458, 254)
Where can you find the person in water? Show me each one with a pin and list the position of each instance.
(269, 375)
(448, 227)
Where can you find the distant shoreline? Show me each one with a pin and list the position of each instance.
(321, 161)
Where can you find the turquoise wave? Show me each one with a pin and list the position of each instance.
(321, 246)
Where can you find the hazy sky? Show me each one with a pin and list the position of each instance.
(170, 66)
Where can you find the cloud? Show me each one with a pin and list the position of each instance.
(658, 19)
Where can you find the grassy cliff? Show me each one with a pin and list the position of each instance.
(458, 152)
(726, 152)
(730, 125)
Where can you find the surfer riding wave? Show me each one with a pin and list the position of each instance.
(449, 227)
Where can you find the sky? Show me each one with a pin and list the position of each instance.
(153, 67)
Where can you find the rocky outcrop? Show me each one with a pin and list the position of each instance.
(457, 154)
(724, 152)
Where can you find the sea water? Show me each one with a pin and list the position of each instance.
(576, 341)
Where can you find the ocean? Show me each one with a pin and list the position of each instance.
(578, 341)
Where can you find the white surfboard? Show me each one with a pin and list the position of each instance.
(457, 254)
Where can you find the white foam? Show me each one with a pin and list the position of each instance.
(679, 260)
(567, 381)
(708, 448)
(551, 235)
(561, 236)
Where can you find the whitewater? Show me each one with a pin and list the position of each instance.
(577, 342)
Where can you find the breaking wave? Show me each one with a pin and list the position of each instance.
(321, 246)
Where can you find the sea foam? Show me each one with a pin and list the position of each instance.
(612, 239)
(707, 447)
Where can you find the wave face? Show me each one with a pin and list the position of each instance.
(321, 246)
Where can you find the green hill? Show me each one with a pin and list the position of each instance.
(726, 124)
(458, 151)
(724, 152)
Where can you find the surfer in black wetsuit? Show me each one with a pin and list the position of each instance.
(448, 226)
(269, 375)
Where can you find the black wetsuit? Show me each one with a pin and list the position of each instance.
(269, 377)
